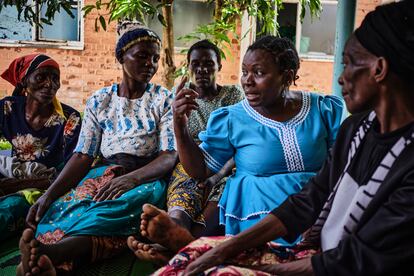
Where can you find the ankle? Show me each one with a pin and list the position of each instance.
(181, 218)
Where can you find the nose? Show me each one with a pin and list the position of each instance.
(341, 79)
(247, 79)
(201, 69)
(48, 82)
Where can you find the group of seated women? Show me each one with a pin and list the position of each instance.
(291, 191)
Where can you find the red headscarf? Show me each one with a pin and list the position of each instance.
(24, 66)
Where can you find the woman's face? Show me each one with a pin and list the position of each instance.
(261, 79)
(359, 87)
(203, 67)
(43, 84)
(140, 62)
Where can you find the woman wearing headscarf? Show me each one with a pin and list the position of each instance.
(360, 206)
(88, 212)
(43, 134)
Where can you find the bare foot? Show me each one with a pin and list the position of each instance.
(153, 253)
(25, 245)
(157, 226)
(44, 267)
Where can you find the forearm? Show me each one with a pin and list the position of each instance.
(266, 230)
(156, 169)
(227, 168)
(74, 171)
(11, 185)
(191, 156)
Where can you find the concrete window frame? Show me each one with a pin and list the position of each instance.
(43, 42)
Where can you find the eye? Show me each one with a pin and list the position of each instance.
(39, 77)
(244, 73)
(259, 73)
(156, 59)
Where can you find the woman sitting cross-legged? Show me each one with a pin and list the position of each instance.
(278, 138)
(87, 214)
(43, 134)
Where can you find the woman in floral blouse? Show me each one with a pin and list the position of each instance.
(43, 133)
(88, 212)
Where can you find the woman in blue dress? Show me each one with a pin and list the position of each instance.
(42, 132)
(88, 212)
(278, 138)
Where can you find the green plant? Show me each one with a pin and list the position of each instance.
(4, 144)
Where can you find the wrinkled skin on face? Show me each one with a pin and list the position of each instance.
(140, 62)
(359, 85)
(43, 84)
(203, 68)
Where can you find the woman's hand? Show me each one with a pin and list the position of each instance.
(211, 258)
(116, 187)
(184, 103)
(301, 267)
(37, 210)
(208, 184)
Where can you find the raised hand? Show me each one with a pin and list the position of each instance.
(184, 103)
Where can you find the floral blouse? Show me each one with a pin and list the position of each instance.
(140, 127)
(52, 145)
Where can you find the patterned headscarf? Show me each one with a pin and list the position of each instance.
(389, 32)
(22, 67)
(130, 33)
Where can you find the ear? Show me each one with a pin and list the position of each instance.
(381, 67)
(289, 77)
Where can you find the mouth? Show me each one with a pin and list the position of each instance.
(251, 97)
(202, 79)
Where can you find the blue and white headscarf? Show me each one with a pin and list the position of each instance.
(130, 33)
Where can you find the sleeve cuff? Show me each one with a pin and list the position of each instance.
(211, 163)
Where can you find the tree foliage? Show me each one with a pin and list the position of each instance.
(27, 9)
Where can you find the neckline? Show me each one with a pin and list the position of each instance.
(215, 98)
(295, 120)
(115, 88)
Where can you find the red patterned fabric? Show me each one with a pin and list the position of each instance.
(270, 253)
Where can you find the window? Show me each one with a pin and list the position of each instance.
(187, 15)
(314, 37)
(65, 31)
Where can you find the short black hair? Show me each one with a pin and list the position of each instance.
(204, 44)
(283, 50)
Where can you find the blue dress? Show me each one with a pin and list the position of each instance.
(273, 159)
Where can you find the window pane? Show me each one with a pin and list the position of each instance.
(11, 27)
(187, 15)
(63, 26)
(318, 34)
(287, 21)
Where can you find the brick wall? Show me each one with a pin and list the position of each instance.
(83, 72)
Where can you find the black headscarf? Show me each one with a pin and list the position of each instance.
(389, 32)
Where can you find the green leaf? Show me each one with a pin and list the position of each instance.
(103, 22)
(96, 24)
(46, 21)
